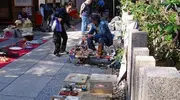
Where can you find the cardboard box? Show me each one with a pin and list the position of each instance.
(77, 78)
(72, 98)
(101, 83)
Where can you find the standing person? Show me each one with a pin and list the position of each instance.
(62, 17)
(85, 12)
(42, 9)
(38, 19)
(22, 15)
(101, 5)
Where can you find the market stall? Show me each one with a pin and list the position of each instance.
(12, 52)
(87, 87)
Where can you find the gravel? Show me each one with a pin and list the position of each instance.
(119, 91)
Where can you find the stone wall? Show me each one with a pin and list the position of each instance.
(145, 80)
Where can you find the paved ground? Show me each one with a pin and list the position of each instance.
(39, 74)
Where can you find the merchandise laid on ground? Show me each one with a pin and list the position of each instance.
(87, 87)
(11, 53)
(80, 54)
(91, 80)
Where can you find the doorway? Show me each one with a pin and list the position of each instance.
(6, 8)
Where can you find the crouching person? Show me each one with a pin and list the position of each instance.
(100, 33)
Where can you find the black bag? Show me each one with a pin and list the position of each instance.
(109, 38)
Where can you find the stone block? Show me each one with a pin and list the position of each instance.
(131, 25)
(137, 51)
(5, 97)
(49, 65)
(3, 85)
(130, 17)
(55, 59)
(135, 39)
(92, 96)
(66, 70)
(95, 70)
(49, 69)
(139, 39)
(140, 62)
(17, 67)
(141, 83)
(83, 70)
(26, 86)
(44, 96)
(33, 57)
(8, 78)
(161, 83)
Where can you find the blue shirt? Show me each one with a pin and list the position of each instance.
(102, 28)
(102, 31)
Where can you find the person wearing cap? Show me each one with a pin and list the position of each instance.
(100, 33)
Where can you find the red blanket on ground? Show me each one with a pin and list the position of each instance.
(20, 52)
(3, 39)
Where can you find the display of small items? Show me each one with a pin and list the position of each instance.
(80, 51)
(71, 91)
(77, 86)
(4, 59)
(64, 98)
(75, 83)
(28, 45)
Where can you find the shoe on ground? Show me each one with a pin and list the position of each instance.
(64, 52)
(57, 54)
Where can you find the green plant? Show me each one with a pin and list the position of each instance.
(119, 55)
(159, 20)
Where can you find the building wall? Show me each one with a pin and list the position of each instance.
(11, 10)
(6, 11)
(41, 1)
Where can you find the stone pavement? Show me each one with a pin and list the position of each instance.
(39, 74)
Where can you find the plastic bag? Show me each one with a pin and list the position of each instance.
(54, 25)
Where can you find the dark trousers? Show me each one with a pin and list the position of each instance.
(91, 40)
(60, 47)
